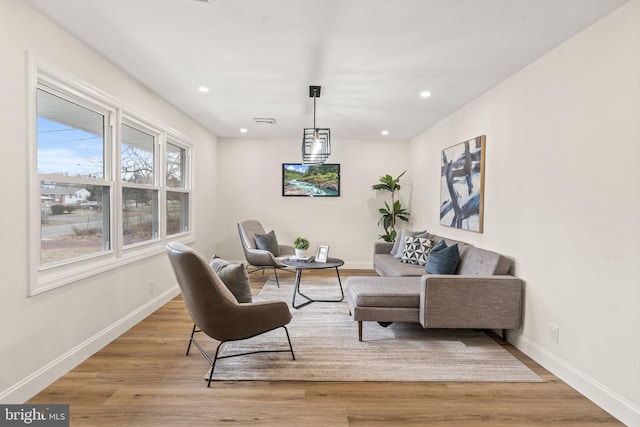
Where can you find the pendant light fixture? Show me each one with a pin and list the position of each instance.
(316, 142)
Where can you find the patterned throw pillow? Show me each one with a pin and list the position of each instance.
(416, 250)
(398, 246)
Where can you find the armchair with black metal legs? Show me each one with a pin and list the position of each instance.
(260, 259)
(216, 312)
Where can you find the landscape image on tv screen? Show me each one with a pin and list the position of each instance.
(321, 180)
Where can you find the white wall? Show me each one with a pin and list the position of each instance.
(562, 197)
(250, 187)
(41, 337)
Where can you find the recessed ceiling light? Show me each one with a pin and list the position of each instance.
(425, 94)
(243, 130)
(203, 89)
(385, 132)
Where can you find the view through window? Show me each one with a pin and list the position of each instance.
(109, 183)
(71, 144)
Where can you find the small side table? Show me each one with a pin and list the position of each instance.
(314, 265)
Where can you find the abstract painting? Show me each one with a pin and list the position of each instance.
(462, 185)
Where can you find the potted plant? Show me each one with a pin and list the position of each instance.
(390, 213)
(300, 244)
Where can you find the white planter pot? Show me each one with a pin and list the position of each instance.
(301, 253)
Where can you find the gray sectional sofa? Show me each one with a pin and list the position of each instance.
(482, 294)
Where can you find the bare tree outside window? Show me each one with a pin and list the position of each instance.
(176, 160)
(139, 192)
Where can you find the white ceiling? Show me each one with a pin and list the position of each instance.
(371, 57)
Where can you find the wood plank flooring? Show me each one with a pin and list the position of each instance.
(143, 378)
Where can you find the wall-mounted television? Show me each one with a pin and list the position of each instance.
(317, 180)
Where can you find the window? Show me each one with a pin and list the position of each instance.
(139, 189)
(112, 187)
(178, 194)
(74, 194)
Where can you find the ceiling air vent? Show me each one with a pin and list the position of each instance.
(264, 121)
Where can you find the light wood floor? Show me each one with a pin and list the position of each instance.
(143, 378)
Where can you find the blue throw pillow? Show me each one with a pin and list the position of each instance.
(443, 259)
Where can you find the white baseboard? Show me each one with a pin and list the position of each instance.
(43, 377)
(624, 410)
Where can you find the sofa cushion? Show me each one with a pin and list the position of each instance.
(481, 262)
(386, 265)
(268, 242)
(443, 259)
(234, 276)
(371, 291)
(416, 250)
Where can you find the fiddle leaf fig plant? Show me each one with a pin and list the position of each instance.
(390, 213)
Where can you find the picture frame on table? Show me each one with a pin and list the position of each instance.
(322, 254)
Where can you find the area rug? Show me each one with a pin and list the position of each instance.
(326, 347)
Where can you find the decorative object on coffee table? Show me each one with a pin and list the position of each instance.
(300, 244)
(462, 185)
(322, 254)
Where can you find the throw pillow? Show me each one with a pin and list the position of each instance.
(396, 243)
(268, 242)
(234, 276)
(401, 241)
(443, 259)
(416, 250)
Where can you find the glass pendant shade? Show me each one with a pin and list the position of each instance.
(316, 145)
(316, 142)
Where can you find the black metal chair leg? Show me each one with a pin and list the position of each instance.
(289, 339)
(213, 364)
(191, 338)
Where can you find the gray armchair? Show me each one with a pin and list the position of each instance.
(216, 312)
(257, 258)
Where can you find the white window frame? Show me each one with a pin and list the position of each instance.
(126, 119)
(186, 188)
(45, 278)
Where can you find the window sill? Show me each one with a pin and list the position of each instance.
(57, 277)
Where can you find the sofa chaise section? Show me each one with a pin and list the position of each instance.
(481, 295)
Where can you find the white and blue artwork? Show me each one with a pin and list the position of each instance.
(461, 188)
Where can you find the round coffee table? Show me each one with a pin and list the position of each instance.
(313, 265)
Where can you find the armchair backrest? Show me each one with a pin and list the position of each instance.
(248, 229)
(211, 305)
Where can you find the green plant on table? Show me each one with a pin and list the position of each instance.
(301, 243)
(390, 213)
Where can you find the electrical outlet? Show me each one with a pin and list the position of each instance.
(151, 284)
(554, 333)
